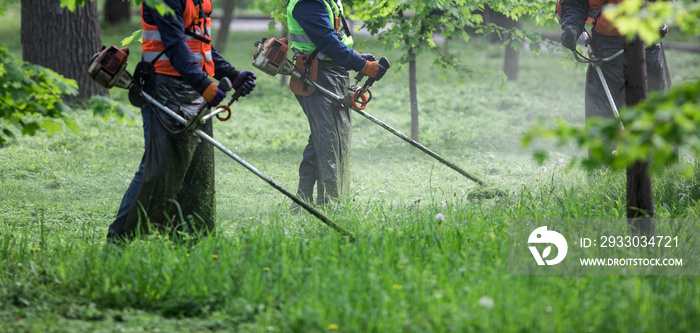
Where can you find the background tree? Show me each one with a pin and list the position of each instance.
(412, 26)
(511, 63)
(62, 39)
(116, 11)
(31, 95)
(226, 18)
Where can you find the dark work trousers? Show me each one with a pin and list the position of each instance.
(597, 103)
(176, 190)
(326, 158)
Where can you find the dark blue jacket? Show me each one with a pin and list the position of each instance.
(312, 15)
(172, 33)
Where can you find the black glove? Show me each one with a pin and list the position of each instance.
(368, 57)
(246, 81)
(381, 72)
(569, 37)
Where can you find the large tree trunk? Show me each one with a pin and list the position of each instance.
(222, 36)
(640, 198)
(116, 11)
(413, 93)
(62, 40)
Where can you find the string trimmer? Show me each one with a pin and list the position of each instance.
(108, 68)
(270, 56)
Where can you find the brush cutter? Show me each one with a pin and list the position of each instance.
(270, 56)
(597, 63)
(108, 68)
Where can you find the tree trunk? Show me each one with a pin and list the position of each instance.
(116, 11)
(413, 93)
(640, 198)
(222, 36)
(62, 40)
(511, 65)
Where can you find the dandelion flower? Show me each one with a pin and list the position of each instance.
(36, 249)
(397, 287)
(333, 327)
(440, 217)
(486, 301)
(266, 269)
(214, 256)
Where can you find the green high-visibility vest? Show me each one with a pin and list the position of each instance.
(301, 42)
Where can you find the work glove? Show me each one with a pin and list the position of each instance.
(244, 80)
(368, 57)
(569, 37)
(374, 70)
(213, 95)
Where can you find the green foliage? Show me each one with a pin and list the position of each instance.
(275, 9)
(411, 25)
(654, 128)
(637, 17)
(105, 108)
(159, 5)
(27, 91)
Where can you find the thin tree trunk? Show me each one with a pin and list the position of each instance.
(413, 93)
(222, 36)
(116, 11)
(62, 40)
(640, 198)
(511, 64)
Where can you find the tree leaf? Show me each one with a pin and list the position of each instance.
(51, 126)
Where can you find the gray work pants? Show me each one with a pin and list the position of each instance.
(326, 158)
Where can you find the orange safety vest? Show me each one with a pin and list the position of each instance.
(602, 25)
(197, 34)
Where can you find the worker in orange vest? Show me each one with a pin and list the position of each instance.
(173, 190)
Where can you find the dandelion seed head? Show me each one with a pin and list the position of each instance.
(486, 301)
(440, 217)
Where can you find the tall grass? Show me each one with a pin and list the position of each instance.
(269, 270)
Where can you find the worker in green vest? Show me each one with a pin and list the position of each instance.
(322, 46)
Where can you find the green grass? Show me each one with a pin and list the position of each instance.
(270, 271)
